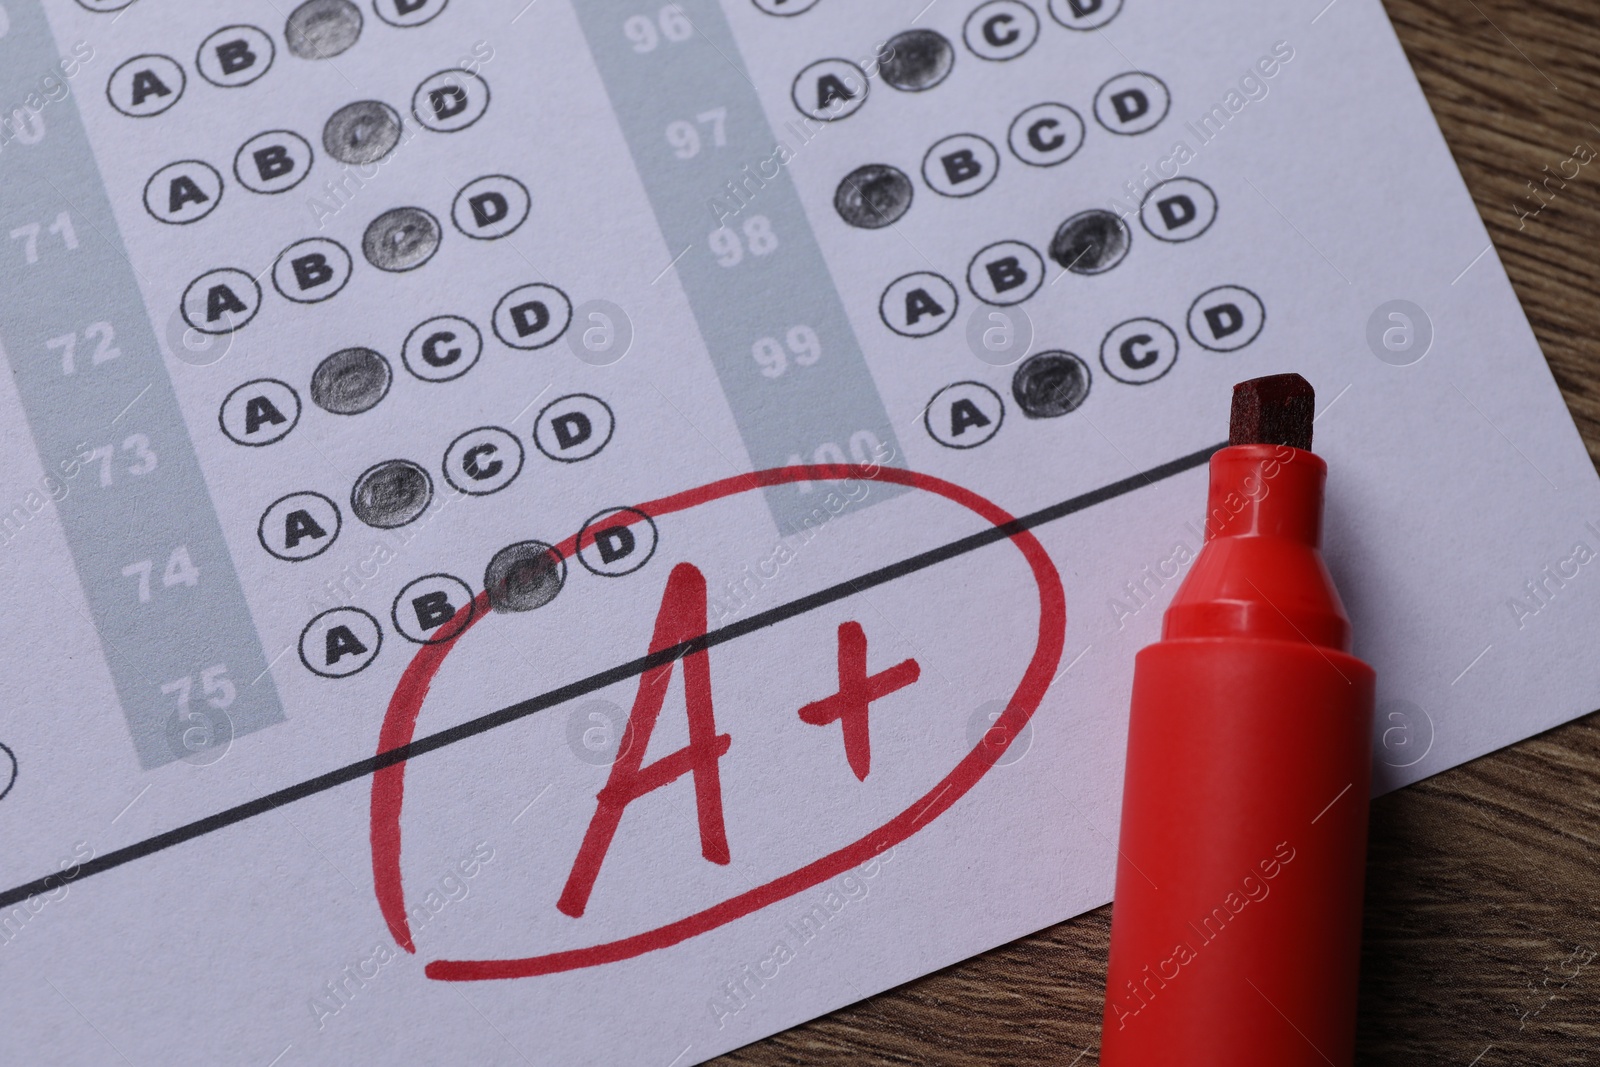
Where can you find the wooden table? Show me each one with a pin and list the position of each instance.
(1483, 891)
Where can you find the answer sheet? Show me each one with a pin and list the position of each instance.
(507, 508)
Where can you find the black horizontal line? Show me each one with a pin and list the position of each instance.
(631, 669)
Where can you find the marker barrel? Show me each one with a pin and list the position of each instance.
(1236, 930)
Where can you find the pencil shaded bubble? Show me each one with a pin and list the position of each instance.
(1050, 384)
(983, 729)
(595, 732)
(999, 336)
(350, 381)
(916, 60)
(524, 576)
(322, 29)
(391, 494)
(1091, 242)
(401, 239)
(362, 132)
(1405, 733)
(601, 333)
(192, 346)
(873, 196)
(1400, 333)
(198, 732)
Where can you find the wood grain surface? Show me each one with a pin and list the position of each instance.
(1483, 886)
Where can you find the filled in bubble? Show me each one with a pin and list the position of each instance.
(916, 60)
(524, 576)
(362, 132)
(401, 239)
(391, 494)
(873, 196)
(350, 381)
(322, 29)
(1050, 384)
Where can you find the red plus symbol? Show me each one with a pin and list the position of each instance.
(857, 690)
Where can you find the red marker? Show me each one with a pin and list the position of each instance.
(1236, 932)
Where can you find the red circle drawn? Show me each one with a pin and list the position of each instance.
(399, 727)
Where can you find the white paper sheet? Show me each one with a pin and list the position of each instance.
(626, 268)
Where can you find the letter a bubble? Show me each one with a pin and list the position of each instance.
(340, 642)
(221, 301)
(311, 270)
(428, 610)
(299, 526)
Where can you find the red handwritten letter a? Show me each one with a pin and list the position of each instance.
(682, 617)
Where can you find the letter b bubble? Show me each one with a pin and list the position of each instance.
(273, 162)
(616, 542)
(428, 610)
(1004, 273)
(311, 270)
(962, 165)
(234, 56)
